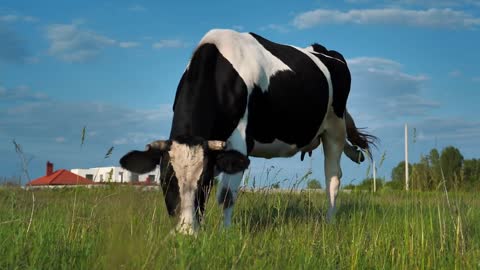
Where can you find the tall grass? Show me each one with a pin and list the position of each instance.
(126, 228)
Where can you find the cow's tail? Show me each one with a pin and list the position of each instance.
(358, 138)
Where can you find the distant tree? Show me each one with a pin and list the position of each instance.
(314, 184)
(396, 185)
(350, 187)
(435, 168)
(451, 161)
(398, 175)
(421, 175)
(471, 173)
(427, 173)
(367, 184)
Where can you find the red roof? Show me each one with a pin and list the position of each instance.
(61, 177)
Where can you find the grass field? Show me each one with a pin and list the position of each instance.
(125, 228)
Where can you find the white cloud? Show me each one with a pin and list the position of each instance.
(275, 27)
(169, 43)
(60, 139)
(137, 8)
(449, 128)
(13, 48)
(138, 138)
(72, 44)
(128, 44)
(46, 118)
(409, 105)
(32, 59)
(29, 19)
(10, 18)
(455, 73)
(238, 27)
(357, 1)
(419, 3)
(435, 3)
(382, 91)
(434, 18)
(21, 93)
(51, 130)
(120, 141)
(374, 62)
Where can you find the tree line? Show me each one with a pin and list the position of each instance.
(435, 171)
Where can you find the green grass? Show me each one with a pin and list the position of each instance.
(124, 228)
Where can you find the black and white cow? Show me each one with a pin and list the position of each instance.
(242, 95)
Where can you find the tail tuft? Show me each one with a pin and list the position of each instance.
(359, 138)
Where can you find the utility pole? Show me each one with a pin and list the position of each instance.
(406, 157)
(374, 177)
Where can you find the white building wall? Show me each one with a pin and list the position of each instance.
(116, 175)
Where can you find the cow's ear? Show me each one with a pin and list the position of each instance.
(139, 161)
(231, 161)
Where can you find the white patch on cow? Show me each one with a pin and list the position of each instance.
(254, 64)
(309, 48)
(231, 182)
(187, 162)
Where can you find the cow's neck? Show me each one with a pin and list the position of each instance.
(211, 98)
(194, 117)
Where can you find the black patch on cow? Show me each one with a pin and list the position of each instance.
(295, 103)
(204, 185)
(231, 161)
(211, 97)
(180, 84)
(332, 53)
(140, 161)
(226, 198)
(169, 184)
(340, 76)
(189, 140)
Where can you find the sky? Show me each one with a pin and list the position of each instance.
(113, 68)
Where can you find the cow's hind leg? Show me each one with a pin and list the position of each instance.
(333, 145)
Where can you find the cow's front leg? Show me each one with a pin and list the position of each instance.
(227, 194)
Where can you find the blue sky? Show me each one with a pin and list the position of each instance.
(114, 67)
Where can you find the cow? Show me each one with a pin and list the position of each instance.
(242, 95)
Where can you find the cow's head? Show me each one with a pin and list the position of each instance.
(191, 159)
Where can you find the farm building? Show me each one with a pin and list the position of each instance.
(117, 175)
(60, 177)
